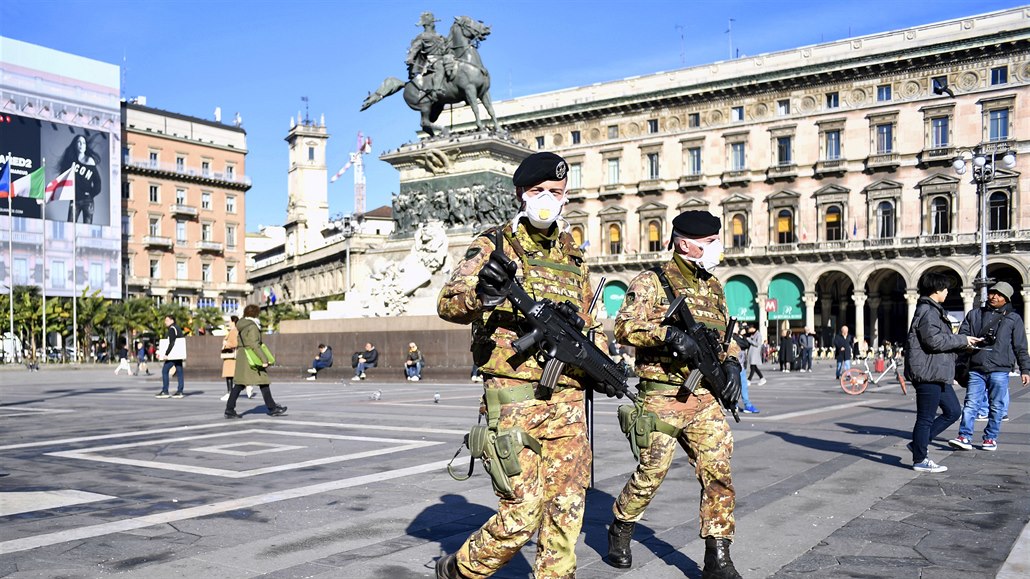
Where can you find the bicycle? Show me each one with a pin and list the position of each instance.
(855, 380)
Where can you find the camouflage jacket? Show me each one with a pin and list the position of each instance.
(638, 322)
(551, 268)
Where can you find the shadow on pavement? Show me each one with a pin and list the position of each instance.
(595, 526)
(842, 447)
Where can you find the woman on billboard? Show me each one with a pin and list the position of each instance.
(85, 161)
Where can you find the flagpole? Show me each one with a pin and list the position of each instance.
(10, 249)
(43, 282)
(75, 283)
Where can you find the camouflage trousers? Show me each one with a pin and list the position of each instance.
(550, 495)
(709, 444)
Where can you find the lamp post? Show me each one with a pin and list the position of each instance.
(344, 225)
(984, 158)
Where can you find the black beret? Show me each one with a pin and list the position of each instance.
(696, 224)
(540, 167)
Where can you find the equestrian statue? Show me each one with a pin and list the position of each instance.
(443, 71)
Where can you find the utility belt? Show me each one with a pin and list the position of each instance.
(499, 448)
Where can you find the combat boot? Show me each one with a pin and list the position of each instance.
(620, 533)
(717, 560)
(447, 568)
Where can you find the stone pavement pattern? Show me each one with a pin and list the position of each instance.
(345, 486)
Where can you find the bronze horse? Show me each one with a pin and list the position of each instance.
(468, 82)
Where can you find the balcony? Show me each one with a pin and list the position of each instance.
(628, 261)
(828, 167)
(186, 173)
(882, 162)
(157, 241)
(781, 172)
(940, 156)
(210, 246)
(650, 186)
(611, 191)
(182, 209)
(184, 284)
(694, 181)
(741, 177)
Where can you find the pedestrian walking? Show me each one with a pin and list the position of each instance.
(1003, 335)
(842, 350)
(547, 496)
(230, 343)
(252, 365)
(930, 354)
(123, 361)
(173, 354)
(786, 353)
(755, 356)
(141, 359)
(742, 342)
(807, 342)
(692, 419)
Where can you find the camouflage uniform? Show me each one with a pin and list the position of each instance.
(550, 493)
(705, 435)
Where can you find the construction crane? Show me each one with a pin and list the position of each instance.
(364, 147)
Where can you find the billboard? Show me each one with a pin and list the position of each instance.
(62, 114)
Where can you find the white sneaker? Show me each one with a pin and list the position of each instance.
(250, 391)
(356, 378)
(415, 378)
(762, 382)
(929, 466)
(224, 397)
(310, 378)
(312, 371)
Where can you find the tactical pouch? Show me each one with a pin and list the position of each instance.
(499, 451)
(638, 424)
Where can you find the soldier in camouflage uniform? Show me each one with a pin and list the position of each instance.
(696, 418)
(549, 495)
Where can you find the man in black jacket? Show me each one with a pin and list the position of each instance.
(1004, 341)
(367, 360)
(842, 349)
(930, 354)
(171, 360)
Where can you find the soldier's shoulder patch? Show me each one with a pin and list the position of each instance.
(472, 252)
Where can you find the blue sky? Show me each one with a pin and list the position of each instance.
(260, 57)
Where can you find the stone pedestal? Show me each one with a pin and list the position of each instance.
(463, 181)
(450, 188)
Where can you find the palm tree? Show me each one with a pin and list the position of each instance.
(207, 318)
(93, 313)
(272, 315)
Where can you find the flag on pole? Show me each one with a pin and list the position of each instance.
(31, 185)
(63, 187)
(854, 229)
(5, 181)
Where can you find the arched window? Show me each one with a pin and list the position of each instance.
(614, 239)
(785, 226)
(940, 216)
(654, 236)
(885, 219)
(577, 235)
(998, 209)
(834, 224)
(739, 229)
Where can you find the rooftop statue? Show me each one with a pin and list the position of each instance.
(442, 71)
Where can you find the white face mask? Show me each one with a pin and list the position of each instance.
(543, 209)
(711, 254)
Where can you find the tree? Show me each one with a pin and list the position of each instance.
(207, 319)
(272, 315)
(28, 315)
(92, 314)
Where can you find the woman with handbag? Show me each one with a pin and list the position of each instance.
(229, 345)
(252, 365)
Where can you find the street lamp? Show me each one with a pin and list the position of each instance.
(984, 157)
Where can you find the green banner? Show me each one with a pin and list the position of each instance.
(786, 290)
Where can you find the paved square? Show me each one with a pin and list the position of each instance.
(260, 448)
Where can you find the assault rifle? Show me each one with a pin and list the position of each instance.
(557, 330)
(706, 364)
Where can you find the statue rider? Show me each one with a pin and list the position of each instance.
(426, 49)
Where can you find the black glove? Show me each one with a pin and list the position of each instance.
(608, 390)
(681, 344)
(494, 282)
(731, 395)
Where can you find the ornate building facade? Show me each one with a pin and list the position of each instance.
(183, 200)
(830, 166)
